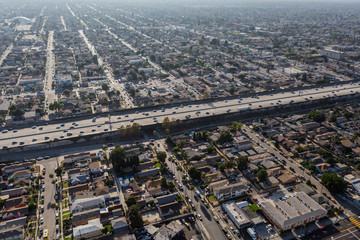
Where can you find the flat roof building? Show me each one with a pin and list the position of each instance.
(236, 215)
(297, 210)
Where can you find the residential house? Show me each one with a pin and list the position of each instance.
(76, 179)
(170, 231)
(119, 223)
(231, 191)
(148, 173)
(81, 218)
(88, 231)
(95, 168)
(80, 205)
(78, 189)
(21, 174)
(12, 233)
(9, 169)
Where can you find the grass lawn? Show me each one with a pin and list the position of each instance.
(66, 216)
(254, 207)
(158, 165)
(212, 198)
(67, 211)
(65, 184)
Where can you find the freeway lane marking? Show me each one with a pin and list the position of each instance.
(347, 229)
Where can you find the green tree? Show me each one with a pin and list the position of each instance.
(243, 162)
(333, 182)
(164, 182)
(225, 137)
(222, 167)
(2, 203)
(317, 116)
(58, 171)
(131, 201)
(105, 87)
(66, 92)
(117, 157)
(161, 156)
(134, 216)
(210, 149)
(194, 173)
(262, 175)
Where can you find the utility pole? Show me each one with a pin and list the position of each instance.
(110, 121)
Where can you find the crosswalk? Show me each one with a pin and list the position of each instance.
(355, 221)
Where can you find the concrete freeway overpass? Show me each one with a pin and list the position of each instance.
(67, 129)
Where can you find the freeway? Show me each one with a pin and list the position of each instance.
(87, 126)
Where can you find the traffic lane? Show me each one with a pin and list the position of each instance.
(331, 231)
(349, 234)
(208, 221)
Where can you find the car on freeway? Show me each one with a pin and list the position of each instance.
(93, 130)
(21, 143)
(118, 118)
(4, 147)
(33, 127)
(47, 137)
(69, 134)
(4, 131)
(34, 139)
(13, 143)
(99, 125)
(58, 127)
(105, 129)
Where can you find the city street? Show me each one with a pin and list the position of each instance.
(208, 224)
(49, 213)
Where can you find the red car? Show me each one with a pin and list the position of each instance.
(322, 227)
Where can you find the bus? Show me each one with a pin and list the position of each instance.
(252, 233)
(45, 234)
